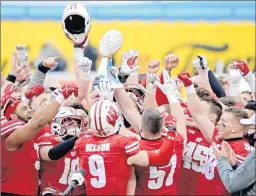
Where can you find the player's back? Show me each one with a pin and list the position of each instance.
(210, 178)
(159, 180)
(56, 174)
(105, 162)
(195, 152)
(18, 172)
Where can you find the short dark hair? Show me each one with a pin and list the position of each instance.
(202, 92)
(228, 101)
(222, 80)
(237, 112)
(246, 92)
(79, 106)
(216, 107)
(152, 120)
(251, 105)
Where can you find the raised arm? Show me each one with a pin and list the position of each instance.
(170, 89)
(128, 109)
(39, 120)
(148, 158)
(247, 74)
(196, 109)
(82, 67)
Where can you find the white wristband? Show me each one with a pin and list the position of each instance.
(60, 99)
(78, 52)
(150, 88)
(190, 89)
(250, 79)
(234, 89)
(172, 99)
(25, 99)
(85, 75)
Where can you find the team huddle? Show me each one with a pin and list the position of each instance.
(135, 137)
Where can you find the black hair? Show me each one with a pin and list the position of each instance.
(79, 106)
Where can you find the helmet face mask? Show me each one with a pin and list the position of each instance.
(137, 94)
(76, 23)
(67, 123)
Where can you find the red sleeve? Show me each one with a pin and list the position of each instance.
(46, 140)
(166, 151)
(143, 82)
(10, 126)
(161, 98)
(215, 139)
(131, 145)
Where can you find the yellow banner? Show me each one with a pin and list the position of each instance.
(222, 41)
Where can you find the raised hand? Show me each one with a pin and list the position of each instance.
(151, 78)
(104, 90)
(171, 61)
(242, 67)
(35, 91)
(153, 66)
(68, 89)
(231, 156)
(234, 74)
(169, 88)
(129, 65)
(6, 95)
(84, 64)
(200, 62)
(22, 54)
(185, 78)
(19, 70)
(50, 62)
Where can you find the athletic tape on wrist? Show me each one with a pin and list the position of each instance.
(190, 89)
(60, 99)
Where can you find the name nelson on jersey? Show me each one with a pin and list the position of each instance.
(97, 148)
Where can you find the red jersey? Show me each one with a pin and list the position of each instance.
(159, 180)
(19, 174)
(57, 174)
(105, 162)
(210, 180)
(195, 152)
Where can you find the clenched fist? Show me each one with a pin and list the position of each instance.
(35, 91)
(185, 78)
(50, 62)
(242, 67)
(171, 61)
(153, 66)
(84, 64)
(69, 89)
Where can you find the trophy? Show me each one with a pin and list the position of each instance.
(110, 43)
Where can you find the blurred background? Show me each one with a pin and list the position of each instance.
(221, 30)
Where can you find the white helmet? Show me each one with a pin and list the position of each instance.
(76, 23)
(59, 126)
(105, 118)
(137, 94)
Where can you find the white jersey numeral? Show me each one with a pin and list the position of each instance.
(97, 169)
(156, 175)
(37, 163)
(194, 156)
(71, 166)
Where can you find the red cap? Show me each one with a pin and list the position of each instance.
(11, 108)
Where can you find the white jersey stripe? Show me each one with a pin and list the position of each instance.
(132, 149)
(11, 129)
(131, 145)
(11, 125)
